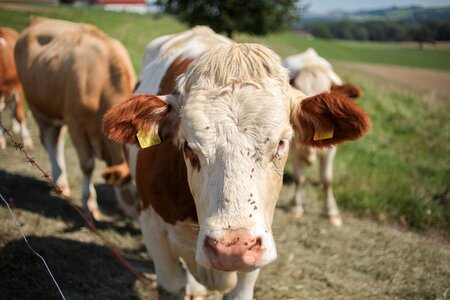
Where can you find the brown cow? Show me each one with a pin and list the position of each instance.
(11, 88)
(217, 145)
(72, 73)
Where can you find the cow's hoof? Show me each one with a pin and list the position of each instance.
(297, 211)
(335, 220)
(28, 144)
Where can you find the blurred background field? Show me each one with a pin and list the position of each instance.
(400, 172)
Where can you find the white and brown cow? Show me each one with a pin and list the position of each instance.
(72, 73)
(312, 75)
(10, 87)
(220, 136)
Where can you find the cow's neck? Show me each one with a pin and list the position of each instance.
(165, 186)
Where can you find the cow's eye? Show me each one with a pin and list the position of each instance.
(282, 147)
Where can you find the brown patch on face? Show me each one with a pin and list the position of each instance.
(327, 111)
(168, 83)
(161, 179)
(193, 158)
(347, 89)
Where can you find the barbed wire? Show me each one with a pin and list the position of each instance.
(31, 248)
(112, 248)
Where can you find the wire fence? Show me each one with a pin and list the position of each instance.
(31, 248)
(149, 284)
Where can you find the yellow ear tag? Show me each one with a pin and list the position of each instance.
(111, 180)
(318, 136)
(148, 139)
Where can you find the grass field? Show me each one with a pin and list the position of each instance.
(135, 31)
(399, 172)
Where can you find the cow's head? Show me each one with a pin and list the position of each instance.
(233, 117)
(312, 74)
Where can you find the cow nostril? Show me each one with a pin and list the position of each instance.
(256, 245)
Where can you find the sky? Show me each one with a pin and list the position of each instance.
(319, 6)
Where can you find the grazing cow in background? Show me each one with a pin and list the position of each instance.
(217, 142)
(71, 74)
(10, 87)
(312, 75)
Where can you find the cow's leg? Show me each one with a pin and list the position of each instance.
(85, 153)
(52, 137)
(194, 290)
(2, 107)
(300, 178)
(326, 176)
(18, 118)
(171, 277)
(244, 287)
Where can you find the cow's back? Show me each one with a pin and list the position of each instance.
(8, 74)
(71, 69)
(164, 54)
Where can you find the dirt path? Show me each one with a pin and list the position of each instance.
(438, 81)
(361, 260)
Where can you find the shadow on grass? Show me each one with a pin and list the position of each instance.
(31, 194)
(83, 271)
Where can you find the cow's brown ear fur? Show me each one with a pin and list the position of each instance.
(329, 112)
(138, 112)
(347, 89)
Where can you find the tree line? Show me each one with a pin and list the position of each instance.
(381, 31)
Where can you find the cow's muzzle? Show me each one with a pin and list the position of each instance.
(236, 251)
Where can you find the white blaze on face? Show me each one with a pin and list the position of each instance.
(235, 138)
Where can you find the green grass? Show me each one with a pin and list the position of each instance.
(400, 171)
(289, 43)
(135, 31)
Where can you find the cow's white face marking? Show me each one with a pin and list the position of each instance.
(235, 138)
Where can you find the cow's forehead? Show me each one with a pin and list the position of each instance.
(235, 111)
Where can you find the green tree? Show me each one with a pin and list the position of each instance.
(422, 34)
(321, 30)
(251, 16)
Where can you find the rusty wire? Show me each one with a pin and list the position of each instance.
(112, 248)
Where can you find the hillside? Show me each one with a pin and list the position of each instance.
(411, 14)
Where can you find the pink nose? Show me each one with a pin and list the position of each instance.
(236, 252)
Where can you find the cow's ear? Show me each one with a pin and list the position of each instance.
(347, 89)
(328, 119)
(144, 119)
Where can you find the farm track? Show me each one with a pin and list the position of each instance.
(415, 78)
(363, 259)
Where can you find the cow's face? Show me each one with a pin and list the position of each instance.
(235, 143)
(233, 118)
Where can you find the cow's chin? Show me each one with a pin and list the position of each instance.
(235, 250)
